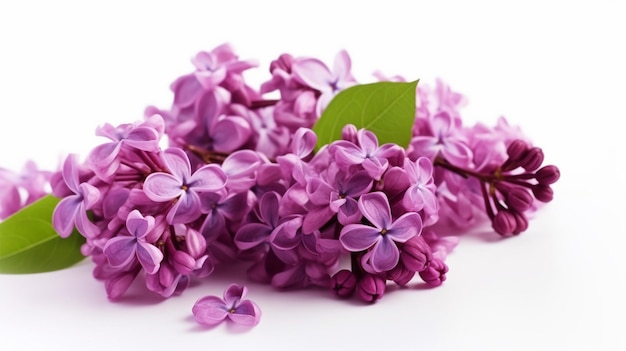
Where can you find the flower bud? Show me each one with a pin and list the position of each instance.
(435, 273)
(195, 243)
(521, 222)
(532, 159)
(370, 288)
(415, 254)
(183, 262)
(504, 223)
(284, 62)
(349, 132)
(548, 175)
(117, 284)
(516, 149)
(343, 283)
(543, 193)
(400, 274)
(518, 199)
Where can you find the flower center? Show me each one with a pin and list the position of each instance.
(384, 231)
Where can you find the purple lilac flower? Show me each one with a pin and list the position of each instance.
(384, 233)
(367, 153)
(21, 189)
(122, 250)
(315, 74)
(183, 185)
(72, 210)
(212, 310)
(143, 136)
(441, 136)
(335, 193)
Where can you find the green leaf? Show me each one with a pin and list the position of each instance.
(385, 108)
(29, 243)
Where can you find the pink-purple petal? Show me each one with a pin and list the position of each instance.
(149, 256)
(63, 217)
(234, 293)
(186, 209)
(358, 237)
(209, 310)
(120, 250)
(177, 163)
(208, 178)
(186, 89)
(161, 187)
(251, 235)
(138, 225)
(230, 133)
(375, 207)
(313, 73)
(405, 227)
(385, 254)
(247, 313)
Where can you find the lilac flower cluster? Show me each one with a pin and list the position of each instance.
(18, 190)
(240, 180)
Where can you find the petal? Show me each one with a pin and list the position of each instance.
(349, 212)
(346, 153)
(70, 172)
(208, 108)
(368, 141)
(375, 207)
(177, 162)
(358, 237)
(316, 217)
(241, 163)
(426, 146)
(385, 255)
(64, 215)
(318, 191)
(162, 187)
(247, 313)
(84, 225)
(186, 90)
(89, 193)
(137, 225)
(233, 294)
(143, 138)
(313, 73)
(342, 66)
(251, 235)
(287, 235)
(102, 156)
(230, 133)
(211, 79)
(120, 250)
(149, 256)
(209, 310)
(413, 199)
(303, 143)
(456, 152)
(207, 178)
(359, 183)
(405, 227)
(268, 208)
(186, 209)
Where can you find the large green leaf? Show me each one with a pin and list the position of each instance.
(385, 108)
(29, 243)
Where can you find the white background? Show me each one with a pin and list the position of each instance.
(556, 69)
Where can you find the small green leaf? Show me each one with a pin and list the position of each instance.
(29, 243)
(385, 108)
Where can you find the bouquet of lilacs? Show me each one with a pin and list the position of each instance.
(331, 184)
